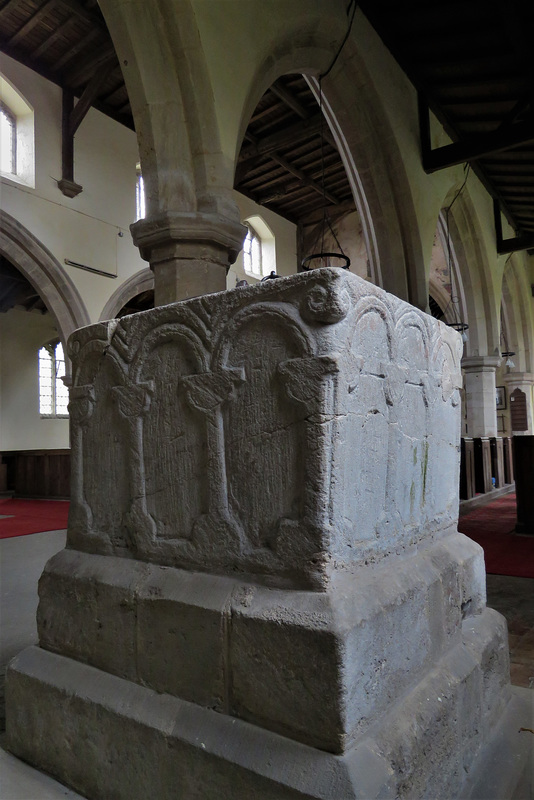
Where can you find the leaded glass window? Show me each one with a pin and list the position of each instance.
(53, 394)
(252, 253)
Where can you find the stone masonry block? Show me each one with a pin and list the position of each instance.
(319, 667)
(181, 635)
(368, 640)
(487, 639)
(87, 610)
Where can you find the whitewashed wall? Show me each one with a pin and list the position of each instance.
(21, 336)
(86, 229)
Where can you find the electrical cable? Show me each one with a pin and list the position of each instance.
(342, 45)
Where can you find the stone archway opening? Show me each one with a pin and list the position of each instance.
(41, 271)
(135, 294)
(290, 164)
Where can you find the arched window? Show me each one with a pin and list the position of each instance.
(53, 394)
(17, 146)
(8, 140)
(252, 261)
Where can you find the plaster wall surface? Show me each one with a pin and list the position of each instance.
(84, 229)
(21, 336)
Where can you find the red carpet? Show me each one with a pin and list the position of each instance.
(32, 516)
(492, 527)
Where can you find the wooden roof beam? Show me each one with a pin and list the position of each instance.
(59, 31)
(514, 244)
(72, 118)
(83, 13)
(73, 51)
(290, 100)
(7, 8)
(469, 149)
(289, 136)
(89, 95)
(34, 20)
(307, 181)
(92, 62)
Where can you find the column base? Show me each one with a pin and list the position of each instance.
(108, 737)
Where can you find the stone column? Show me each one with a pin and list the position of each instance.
(479, 382)
(189, 253)
(267, 595)
(524, 381)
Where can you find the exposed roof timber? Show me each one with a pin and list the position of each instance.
(29, 62)
(7, 8)
(471, 148)
(34, 20)
(518, 109)
(285, 138)
(290, 100)
(73, 51)
(89, 95)
(303, 178)
(87, 66)
(509, 245)
(76, 7)
(58, 33)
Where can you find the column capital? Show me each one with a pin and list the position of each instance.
(519, 378)
(480, 363)
(189, 252)
(180, 234)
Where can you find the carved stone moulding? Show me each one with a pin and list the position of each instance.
(284, 430)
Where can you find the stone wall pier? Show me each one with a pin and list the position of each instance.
(264, 593)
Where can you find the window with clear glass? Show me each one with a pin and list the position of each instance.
(53, 394)
(140, 207)
(8, 140)
(252, 253)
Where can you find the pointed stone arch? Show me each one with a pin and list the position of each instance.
(518, 319)
(368, 150)
(46, 275)
(142, 281)
(474, 278)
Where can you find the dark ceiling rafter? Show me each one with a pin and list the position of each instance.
(66, 41)
(16, 290)
(472, 66)
(72, 119)
(60, 31)
(289, 160)
(506, 136)
(469, 59)
(292, 134)
(516, 243)
(34, 20)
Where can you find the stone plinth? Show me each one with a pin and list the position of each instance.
(264, 593)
